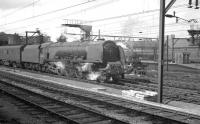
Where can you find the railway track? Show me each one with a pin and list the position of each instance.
(168, 83)
(113, 108)
(172, 93)
(56, 111)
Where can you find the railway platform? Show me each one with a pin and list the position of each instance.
(99, 89)
(191, 65)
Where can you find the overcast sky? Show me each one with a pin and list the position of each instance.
(48, 15)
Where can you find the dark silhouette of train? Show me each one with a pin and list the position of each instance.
(95, 60)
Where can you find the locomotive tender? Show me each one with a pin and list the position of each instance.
(100, 60)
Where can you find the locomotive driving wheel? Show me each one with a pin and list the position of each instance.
(76, 73)
(71, 72)
(101, 79)
(115, 78)
(14, 65)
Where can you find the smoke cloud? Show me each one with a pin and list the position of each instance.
(11, 4)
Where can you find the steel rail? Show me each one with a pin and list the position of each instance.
(148, 109)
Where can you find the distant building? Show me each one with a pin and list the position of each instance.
(3, 39)
(145, 49)
(10, 39)
(14, 39)
(148, 50)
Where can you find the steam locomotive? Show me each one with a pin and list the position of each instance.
(100, 60)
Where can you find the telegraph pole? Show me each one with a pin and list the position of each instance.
(163, 11)
(167, 50)
(161, 50)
